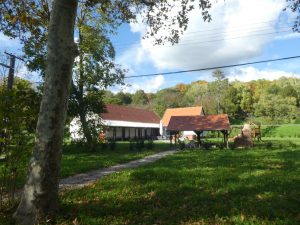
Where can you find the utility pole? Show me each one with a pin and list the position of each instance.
(11, 72)
(11, 67)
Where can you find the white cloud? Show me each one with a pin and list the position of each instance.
(207, 44)
(287, 36)
(8, 44)
(148, 85)
(250, 73)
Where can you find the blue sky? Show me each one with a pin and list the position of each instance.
(241, 31)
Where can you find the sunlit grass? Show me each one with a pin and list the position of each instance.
(255, 186)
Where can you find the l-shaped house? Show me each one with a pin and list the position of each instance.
(123, 122)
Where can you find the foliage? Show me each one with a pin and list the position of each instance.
(18, 116)
(167, 98)
(269, 101)
(149, 144)
(139, 98)
(276, 106)
(294, 5)
(112, 145)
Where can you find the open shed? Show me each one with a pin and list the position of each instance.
(198, 124)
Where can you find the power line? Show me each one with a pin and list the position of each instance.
(233, 28)
(213, 68)
(214, 40)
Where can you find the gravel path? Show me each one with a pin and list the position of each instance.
(84, 179)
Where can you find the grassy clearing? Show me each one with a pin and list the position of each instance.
(255, 186)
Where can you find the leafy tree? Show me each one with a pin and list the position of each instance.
(139, 98)
(276, 107)
(218, 87)
(19, 19)
(125, 98)
(167, 98)
(273, 89)
(94, 69)
(110, 98)
(18, 117)
(231, 102)
(247, 101)
(195, 94)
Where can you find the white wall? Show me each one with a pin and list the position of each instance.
(76, 130)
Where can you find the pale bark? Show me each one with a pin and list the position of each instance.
(40, 195)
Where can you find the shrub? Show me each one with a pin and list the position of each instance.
(112, 145)
(221, 146)
(103, 145)
(181, 145)
(131, 144)
(150, 144)
(140, 144)
(206, 146)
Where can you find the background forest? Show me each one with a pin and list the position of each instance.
(264, 101)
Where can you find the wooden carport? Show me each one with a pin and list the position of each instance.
(198, 124)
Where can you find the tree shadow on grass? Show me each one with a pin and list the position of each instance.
(190, 187)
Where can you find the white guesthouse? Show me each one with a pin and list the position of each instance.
(122, 123)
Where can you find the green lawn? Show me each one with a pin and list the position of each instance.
(255, 186)
(76, 159)
(282, 131)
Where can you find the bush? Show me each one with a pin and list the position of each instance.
(206, 146)
(131, 144)
(181, 145)
(140, 144)
(112, 145)
(103, 145)
(150, 144)
(221, 146)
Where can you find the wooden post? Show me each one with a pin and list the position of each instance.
(198, 133)
(114, 134)
(227, 146)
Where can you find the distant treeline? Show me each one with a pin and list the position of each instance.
(267, 101)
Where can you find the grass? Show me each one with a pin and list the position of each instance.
(255, 186)
(76, 160)
(282, 131)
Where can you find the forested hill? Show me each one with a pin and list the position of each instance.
(275, 101)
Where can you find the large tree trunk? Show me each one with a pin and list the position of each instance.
(40, 195)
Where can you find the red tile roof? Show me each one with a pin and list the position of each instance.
(187, 111)
(199, 123)
(126, 113)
